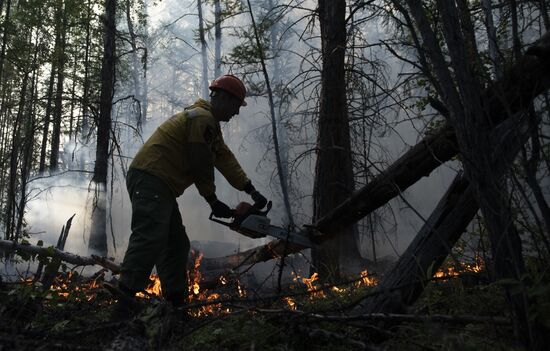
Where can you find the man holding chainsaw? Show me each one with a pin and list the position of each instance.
(184, 150)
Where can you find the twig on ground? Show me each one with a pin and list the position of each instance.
(393, 317)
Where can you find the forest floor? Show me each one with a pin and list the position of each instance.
(74, 315)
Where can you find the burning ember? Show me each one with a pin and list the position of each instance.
(153, 289)
(290, 302)
(70, 285)
(366, 280)
(311, 286)
(315, 291)
(459, 268)
(196, 293)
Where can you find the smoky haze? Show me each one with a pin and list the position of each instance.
(174, 82)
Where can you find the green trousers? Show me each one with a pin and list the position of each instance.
(158, 237)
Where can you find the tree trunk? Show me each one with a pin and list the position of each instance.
(333, 174)
(5, 38)
(49, 104)
(135, 70)
(280, 171)
(469, 119)
(492, 38)
(61, 27)
(73, 101)
(28, 147)
(98, 235)
(86, 82)
(531, 167)
(282, 139)
(543, 7)
(14, 162)
(204, 57)
(218, 38)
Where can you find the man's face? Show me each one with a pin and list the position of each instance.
(225, 106)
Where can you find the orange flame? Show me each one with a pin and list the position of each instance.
(290, 302)
(153, 289)
(366, 280)
(195, 277)
(311, 285)
(453, 271)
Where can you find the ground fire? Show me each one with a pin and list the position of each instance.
(73, 286)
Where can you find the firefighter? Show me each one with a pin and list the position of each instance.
(182, 151)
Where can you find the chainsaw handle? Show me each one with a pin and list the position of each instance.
(214, 219)
(267, 208)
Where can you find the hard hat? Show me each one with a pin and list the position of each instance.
(232, 85)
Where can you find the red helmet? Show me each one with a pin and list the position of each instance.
(232, 85)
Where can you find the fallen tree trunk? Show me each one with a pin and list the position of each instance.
(60, 255)
(506, 97)
(515, 92)
(8, 245)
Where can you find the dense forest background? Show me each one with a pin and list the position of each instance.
(408, 131)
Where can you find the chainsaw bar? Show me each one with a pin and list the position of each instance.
(255, 224)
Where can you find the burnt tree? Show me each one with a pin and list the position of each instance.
(333, 172)
(98, 234)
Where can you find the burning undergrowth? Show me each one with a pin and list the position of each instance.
(75, 303)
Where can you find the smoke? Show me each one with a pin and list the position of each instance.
(173, 77)
(55, 200)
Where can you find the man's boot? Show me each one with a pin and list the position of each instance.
(179, 302)
(127, 306)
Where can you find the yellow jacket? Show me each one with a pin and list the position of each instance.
(186, 148)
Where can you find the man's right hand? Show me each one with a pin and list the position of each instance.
(219, 209)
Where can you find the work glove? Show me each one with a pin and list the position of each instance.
(219, 209)
(259, 200)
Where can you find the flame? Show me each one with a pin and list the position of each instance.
(365, 279)
(290, 302)
(153, 289)
(27, 281)
(311, 285)
(453, 271)
(240, 290)
(196, 293)
(195, 276)
(71, 286)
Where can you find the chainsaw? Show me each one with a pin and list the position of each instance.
(254, 223)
